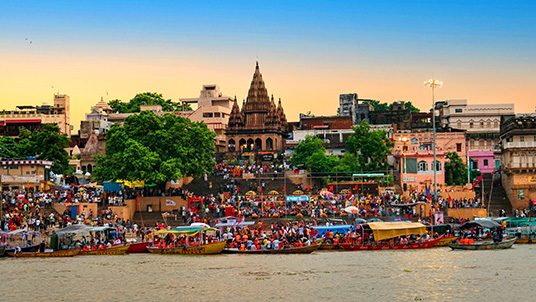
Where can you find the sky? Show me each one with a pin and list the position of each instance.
(309, 52)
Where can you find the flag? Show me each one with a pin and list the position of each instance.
(477, 181)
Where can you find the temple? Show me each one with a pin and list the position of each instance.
(260, 124)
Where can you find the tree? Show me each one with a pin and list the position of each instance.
(146, 98)
(306, 148)
(377, 105)
(455, 170)
(9, 147)
(407, 105)
(320, 162)
(371, 148)
(156, 149)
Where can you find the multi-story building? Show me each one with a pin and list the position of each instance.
(32, 117)
(482, 125)
(333, 130)
(23, 173)
(348, 105)
(414, 156)
(518, 159)
(213, 109)
(260, 125)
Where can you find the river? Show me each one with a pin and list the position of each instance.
(419, 275)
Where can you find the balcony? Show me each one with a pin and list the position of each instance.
(527, 144)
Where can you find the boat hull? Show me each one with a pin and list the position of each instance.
(64, 253)
(485, 245)
(385, 246)
(205, 249)
(114, 250)
(136, 248)
(293, 250)
(445, 241)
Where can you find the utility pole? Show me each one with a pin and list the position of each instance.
(433, 84)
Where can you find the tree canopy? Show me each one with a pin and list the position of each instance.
(370, 148)
(146, 98)
(156, 149)
(382, 107)
(455, 170)
(46, 143)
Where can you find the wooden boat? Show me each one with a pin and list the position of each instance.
(64, 253)
(205, 249)
(329, 247)
(483, 245)
(286, 250)
(114, 250)
(139, 247)
(445, 240)
(376, 246)
(25, 249)
(526, 239)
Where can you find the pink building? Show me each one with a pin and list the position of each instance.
(414, 157)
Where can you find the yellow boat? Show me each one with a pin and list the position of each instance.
(445, 240)
(114, 250)
(64, 253)
(205, 249)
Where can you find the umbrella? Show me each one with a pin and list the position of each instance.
(351, 210)
(20, 196)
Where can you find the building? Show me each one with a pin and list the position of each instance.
(213, 109)
(23, 173)
(333, 130)
(414, 156)
(260, 125)
(482, 125)
(518, 159)
(348, 105)
(32, 117)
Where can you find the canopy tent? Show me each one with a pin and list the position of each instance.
(388, 230)
(340, 229)
(298, 198)
(187, 230)
(483, 223)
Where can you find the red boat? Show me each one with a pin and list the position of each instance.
(376, 246)
(137, 248)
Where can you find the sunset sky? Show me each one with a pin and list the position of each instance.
(308, 51)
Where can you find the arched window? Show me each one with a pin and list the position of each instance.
(258, 144)
(269, 144)
(231, 145)
(242, 145)
(250, 145)
(438, 165)
(423, 166)
(89, 168)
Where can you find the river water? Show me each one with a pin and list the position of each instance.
(419, 275)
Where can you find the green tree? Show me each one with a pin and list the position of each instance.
(455, 170)
(377, 105)
(408, 105)
(371, 148)
(9, 147)
(146, 98)
(320, 162)
(305, 149)
(156, 149)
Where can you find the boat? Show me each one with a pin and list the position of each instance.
(64, 253)
(445, 240)
(384, 233)
(285, 250)
(376, 246)
(483, 245)
(114, 250)
(138, 247)
(203, 249)
(2, 251)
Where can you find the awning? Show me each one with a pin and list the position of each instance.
(388, 230)
(483, 223)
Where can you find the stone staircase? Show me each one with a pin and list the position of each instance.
(499, 199)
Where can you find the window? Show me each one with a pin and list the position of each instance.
(423, 166)
(207, 114)
(481, 124)
(495, 124)
(458, 110)
(438, 165)
(217, 114)
(486, 162)
(411, 165)
(405, 148)
(471, 124)
(521, 138)
(458, 147)
(459, 124)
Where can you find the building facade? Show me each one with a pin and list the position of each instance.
(23, 173)
(213, 109)
(518, 159)
(32, 117)
(414, 157)
(260, 124)
(482, 125)
(348, 104)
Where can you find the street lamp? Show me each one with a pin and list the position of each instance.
(433, 84)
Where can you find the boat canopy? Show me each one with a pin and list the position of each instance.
(341, 229)
(388, 230)
(187, 230)
(234, 224)
(483, 223)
